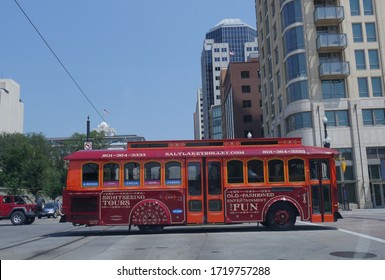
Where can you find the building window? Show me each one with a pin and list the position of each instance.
(368, 7)
(276, 51)
(298, 121)
(246, 89)
(246, 103)
(373, 59)
(333, 89)
(363, 87)
(293, 39)
(354, 8)
(296, 66)
(371, 32)
(291, 13)
(278, 80)
(245, 74)
(360, 59)
(373, 116)
(357, 32)
(376, 86)
(247, 118)
(337, 118)
(297, 91)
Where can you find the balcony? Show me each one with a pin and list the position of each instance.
(327, 43)
(331, 15)
(334, 70)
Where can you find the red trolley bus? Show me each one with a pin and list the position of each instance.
(163, 183)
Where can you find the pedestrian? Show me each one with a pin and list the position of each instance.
(59, 207)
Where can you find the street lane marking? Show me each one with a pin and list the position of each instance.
(350, 232)
(363, 235)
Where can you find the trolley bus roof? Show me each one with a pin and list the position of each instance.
(198, 149)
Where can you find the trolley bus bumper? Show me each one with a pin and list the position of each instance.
(337, 215)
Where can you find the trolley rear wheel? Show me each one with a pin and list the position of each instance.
(281, 216)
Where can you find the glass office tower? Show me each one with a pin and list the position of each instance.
(231, 40)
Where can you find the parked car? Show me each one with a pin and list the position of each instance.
(49, 210)
(18, 208)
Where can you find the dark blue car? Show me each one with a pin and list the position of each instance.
(50, 210)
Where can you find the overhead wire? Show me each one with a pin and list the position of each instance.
(60, 62)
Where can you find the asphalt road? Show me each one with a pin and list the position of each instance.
(360, 235)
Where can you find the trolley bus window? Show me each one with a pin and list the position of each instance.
(195, 206)
(255, 171)
(316, 199)
(152, 173)
(173, 173)
(327, 199)
(194, 179)
(276, 173)
(234, 171)
(296, 170)
(215, 205)
(90, 174)
(214, 178)
(132, 174)
(111, 174)
(321, 191)
(314, 169)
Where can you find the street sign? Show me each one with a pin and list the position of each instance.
(87, 145)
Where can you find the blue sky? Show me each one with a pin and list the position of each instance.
(139, 60)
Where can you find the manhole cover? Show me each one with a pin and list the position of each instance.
(353, 255)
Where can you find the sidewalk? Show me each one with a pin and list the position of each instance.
(363, 211)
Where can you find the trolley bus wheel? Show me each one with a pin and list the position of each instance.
(265, 224)
(150, 228)
(281, 216)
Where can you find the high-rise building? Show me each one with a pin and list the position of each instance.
(322, 76)
(11, 107)
(198, 117)
(241, 96)
(229, 41)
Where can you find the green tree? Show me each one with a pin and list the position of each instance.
(27, 162)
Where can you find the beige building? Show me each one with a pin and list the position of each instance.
(326, 58)
(11, 107)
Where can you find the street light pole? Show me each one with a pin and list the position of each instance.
(327, 138)
(342, 169)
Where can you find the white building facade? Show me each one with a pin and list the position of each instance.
(11, 107)
(198, 117)
(326, 58)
